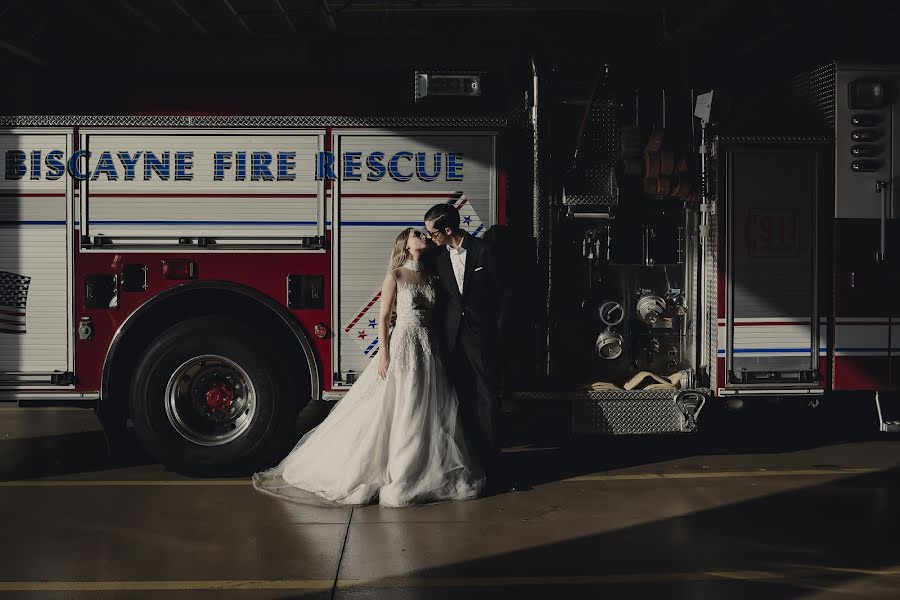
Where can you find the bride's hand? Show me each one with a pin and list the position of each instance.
(383, 363)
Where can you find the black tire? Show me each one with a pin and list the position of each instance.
(265, 433)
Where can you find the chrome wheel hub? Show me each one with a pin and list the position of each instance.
(210, 400)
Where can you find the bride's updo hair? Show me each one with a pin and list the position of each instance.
(400, 252)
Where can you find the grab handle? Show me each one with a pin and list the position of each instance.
(882, 188)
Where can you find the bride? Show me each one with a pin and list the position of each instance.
(396, 434)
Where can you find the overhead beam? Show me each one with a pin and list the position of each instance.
(239, 18)
(141, 17)
(91, 16)
(335, 7)
(22, 53)
(328, 15)
(193, 19)
(286, 16)
(784, 23)
(695, 24)
(42, 24)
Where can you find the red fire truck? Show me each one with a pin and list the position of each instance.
(207, 276)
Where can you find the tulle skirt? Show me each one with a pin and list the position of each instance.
(398, 439)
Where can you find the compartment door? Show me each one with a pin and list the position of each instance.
(772, 333)
(862, 314)
(235, 187)
(35, 259)
(369, 213)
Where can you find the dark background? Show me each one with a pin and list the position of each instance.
(336, 56)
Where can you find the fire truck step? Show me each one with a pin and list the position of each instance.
(887, 404)
(639, 412)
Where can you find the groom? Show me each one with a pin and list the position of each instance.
(471, 293)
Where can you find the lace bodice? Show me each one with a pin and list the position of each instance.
(412, 336)
(414, 300)
(415, 294)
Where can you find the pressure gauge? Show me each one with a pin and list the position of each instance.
(611, 313)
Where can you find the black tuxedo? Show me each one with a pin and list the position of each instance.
(470, 328)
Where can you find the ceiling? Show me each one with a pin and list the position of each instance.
(166, 43)
(42, 32)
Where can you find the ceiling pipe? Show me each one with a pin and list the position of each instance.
(24, 54)
(193, 20)
(694, 24)
(286, 16)
(141, 17)
(239, 18)
(328, 15)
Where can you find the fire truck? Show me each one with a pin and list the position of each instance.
(205, 277)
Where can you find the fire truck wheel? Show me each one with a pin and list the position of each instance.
(212, 396)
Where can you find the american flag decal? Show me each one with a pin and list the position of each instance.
(13, 296)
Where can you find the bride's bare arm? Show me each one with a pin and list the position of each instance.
(388, 297)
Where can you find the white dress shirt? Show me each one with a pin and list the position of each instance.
(458, 262)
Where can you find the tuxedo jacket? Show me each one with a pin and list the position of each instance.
(478, 310)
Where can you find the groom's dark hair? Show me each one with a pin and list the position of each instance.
(443, 216)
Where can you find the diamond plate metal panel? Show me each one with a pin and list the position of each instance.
(593, 177)
(247, 121)
(613, 395)
(712, 299)
(92, 121)
(786, 140)
(620, 412)
(628, 416)
(692, 299)
(540, 202)
(818, 86)
(711, 268)
(520, 116)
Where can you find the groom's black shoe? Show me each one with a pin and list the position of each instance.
(499, 484)
(499, 480)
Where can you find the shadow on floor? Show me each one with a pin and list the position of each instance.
(813, 542)
(550, 453)
(762, 428)
(66, 454)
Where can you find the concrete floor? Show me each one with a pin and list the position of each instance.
(756, 510)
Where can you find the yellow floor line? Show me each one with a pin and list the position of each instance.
(441, 582)
(886, 572)
(37, 483)
(126, 483)
(458, 582)
(720, 474)
(134, 586)
(613, 578)
(16, 408)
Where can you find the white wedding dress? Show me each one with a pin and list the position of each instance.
(398, 439)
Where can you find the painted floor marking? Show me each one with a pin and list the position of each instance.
(38, 483)
(446, 582)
